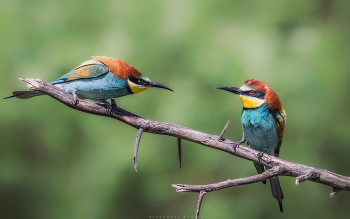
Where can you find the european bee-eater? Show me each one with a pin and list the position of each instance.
(263, 120)
(99, 79)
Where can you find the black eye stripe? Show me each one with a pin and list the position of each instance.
(136, 81)
(257, 94)
(133, 80)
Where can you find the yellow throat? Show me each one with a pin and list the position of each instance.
(136, 89)
(251, 102)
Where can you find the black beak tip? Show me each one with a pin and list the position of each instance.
(156, 84)
(230, 89)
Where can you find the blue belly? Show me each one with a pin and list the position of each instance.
(259, 129)
(97, 89)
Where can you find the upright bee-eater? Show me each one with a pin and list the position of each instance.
(99, 79)
(263, 120)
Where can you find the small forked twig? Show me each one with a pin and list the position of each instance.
(306, 176)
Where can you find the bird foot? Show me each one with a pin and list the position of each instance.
(236, 144)
(260, 155)
(115, 107)
(75, 98)
(109, 107)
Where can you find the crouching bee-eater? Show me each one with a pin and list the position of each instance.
(263, 120)
(99, 79)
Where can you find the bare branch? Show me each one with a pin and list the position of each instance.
(274, 171)
(291, 169)
(277, 166)
(230, 182)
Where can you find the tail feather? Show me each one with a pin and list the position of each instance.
(260, 168)
(24, 94)
(275, 186)
(277, 191)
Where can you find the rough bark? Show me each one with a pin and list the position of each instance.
(277, 165)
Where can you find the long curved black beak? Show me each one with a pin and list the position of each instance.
(156, 84)
(231, 89)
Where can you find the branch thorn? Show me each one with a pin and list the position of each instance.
(200, 199)
(136, 148)
(223, 131)
(179, 149)
(335, 190)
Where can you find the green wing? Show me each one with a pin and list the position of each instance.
(88, 69)
(281, 123)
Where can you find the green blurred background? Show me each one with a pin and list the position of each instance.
(56, 162)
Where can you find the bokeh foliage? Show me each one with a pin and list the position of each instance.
(56, 162)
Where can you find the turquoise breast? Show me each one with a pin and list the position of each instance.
(259, 129)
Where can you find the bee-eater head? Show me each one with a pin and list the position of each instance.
(136, 81)
(255, 93)
(142, 83)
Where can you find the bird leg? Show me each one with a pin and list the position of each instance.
(113, 103)
(108, 106)
(75, 97)
(236, 144)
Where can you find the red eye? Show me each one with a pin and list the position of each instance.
(140, 80)
(252, 92)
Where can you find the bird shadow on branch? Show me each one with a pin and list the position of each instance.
(277, 166)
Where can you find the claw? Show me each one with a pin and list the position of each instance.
(75, 97)
(236, 144)
(115, 107)
(260, 155)
(109, 107)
